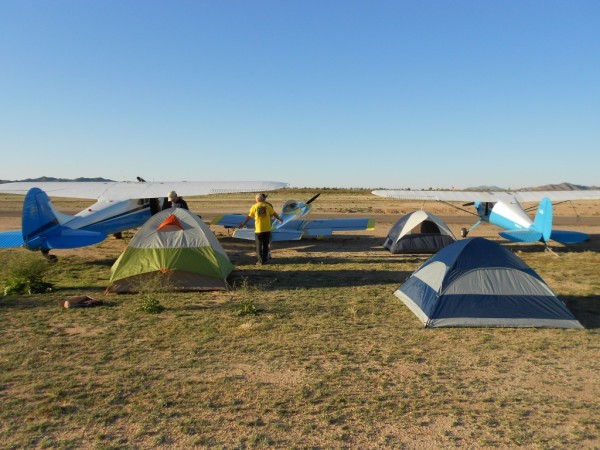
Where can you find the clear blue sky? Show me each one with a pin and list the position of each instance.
(316, 93)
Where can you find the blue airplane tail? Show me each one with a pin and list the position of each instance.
(541, 229)
(42, 230)
(543, 219)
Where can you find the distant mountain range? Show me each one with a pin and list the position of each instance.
(48, 179)
(548, 187)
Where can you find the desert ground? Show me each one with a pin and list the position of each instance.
(330, 358)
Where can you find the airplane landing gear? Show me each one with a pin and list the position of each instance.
(46, 254)
(464, 232)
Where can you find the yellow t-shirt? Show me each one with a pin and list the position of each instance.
(261, 212)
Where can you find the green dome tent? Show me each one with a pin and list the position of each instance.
(174, 250)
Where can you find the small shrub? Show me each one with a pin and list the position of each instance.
(247, 308)
(151, 305)
(26, 275)
(151, 291)
(245, 293)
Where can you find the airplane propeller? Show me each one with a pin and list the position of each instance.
(313, 198)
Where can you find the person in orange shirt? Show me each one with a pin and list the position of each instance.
(261, 212)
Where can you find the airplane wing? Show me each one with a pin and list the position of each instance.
(557, 196)
(326, 227)
(490, 196)
(125, 190)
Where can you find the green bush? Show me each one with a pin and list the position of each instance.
(247, 308)
(151, 305)
(26, 275)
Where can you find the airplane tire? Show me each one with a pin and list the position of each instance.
(464, 232)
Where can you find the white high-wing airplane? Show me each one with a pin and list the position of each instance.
(504, 210)
(120, 206)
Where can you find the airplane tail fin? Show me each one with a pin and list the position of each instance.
(543, 219)
(543, 222)
(42, 226)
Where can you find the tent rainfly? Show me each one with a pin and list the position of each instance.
(174, 250)
(418, 232)
(478, 283)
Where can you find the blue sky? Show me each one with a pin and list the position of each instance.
(389, 94)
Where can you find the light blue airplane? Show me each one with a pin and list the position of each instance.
(504, 209)
(120, 206)
(293, 226)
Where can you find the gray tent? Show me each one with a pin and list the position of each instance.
(478, 283)
(418, 232)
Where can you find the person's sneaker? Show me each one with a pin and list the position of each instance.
(259, 263)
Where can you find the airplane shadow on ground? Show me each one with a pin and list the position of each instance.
(591, 245)
(107, 262)
(329, 244)
(240, 259)
(316, 279)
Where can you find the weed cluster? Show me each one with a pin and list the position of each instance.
(151, 291)
(247, 292)
(26, 275)
(247, 308)
(151, 305)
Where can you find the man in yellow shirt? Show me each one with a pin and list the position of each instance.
(261, 212)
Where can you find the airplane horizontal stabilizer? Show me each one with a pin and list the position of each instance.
(67, 238)
(568, 237)
(522, 235)
(11, 239)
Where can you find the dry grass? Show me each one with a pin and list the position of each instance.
(331, 360)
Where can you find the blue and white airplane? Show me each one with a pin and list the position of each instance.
(504, 209)
(293, 226)
(120, 206)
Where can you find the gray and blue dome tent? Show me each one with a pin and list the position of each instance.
(418, 232)
(478, 283)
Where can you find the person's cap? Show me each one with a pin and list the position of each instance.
(261, 197)
(172, 195)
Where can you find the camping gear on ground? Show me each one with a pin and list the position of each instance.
(173, 251)
(478, 283)
(81, 301)
(418, 232)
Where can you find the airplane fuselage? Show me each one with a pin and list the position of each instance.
(112, 217)
(509, 216)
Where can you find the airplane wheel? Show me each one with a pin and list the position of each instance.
(49, 257)
(464, 232)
